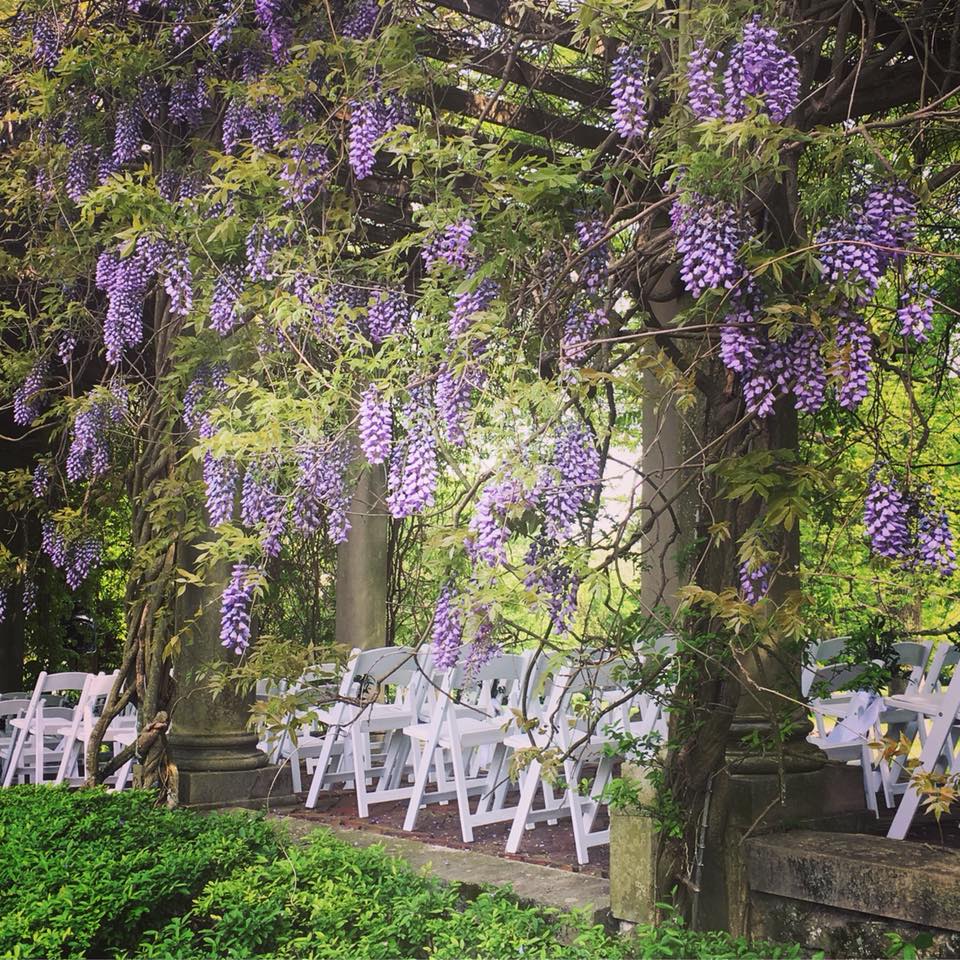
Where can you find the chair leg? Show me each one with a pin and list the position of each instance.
(38, 755)
(491, 787)
(604, 773)
(360, 768)
(322, 763)
(869, 779)
(463, 798)
(529, 781)
(930, 754)
(16, 752)
(295, 779)
(420, 781)
(576, 813)
(123, 775)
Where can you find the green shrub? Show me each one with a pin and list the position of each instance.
(88, 873)
(325, 899)
(329, 900)
(84, 873)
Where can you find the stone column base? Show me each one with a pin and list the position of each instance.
(264, 787)
(741, 806)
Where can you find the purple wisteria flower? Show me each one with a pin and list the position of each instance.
(627, 85)
(40, 482)
(916, 312)
(759, 67)
(225, 300)
(361, 21)
(489, 531)
(854, 361)
(570, 480)
(321, 490)
(447, 629)
(235, 608)
(412, 478)
(935, 547)
(469, 303)
(702, 93)
(886, 516)
(754, 581)
(709, 234)
(554, 582)
(593, 267)
(29, 400)
(451, 245)
(376, 425)
(262, 506)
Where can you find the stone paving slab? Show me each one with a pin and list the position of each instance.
(531, 882)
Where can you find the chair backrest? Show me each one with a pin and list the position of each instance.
(663, 646)
(819, 652)
(15, 695)
(11, 709)
(578, 678)
(395, 665)
(915, 655)
(507, 669)
(98, 689)
(53, 682)
(368, 671)
(944, 655)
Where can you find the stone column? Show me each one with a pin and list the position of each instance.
(665, 442)
(213, 748)
(753, 792)
(363, 566)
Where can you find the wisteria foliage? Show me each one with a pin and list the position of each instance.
(199, 195)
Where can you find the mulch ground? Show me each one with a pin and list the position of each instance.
(943, 834)
(440, 824)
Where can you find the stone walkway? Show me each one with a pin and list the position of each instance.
(531, 882)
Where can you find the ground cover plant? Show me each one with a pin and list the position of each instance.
(93, 874)
(85, 873)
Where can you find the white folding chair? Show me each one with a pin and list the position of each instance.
(458, 731)
(38, 724)
(10, 709)
(121, 732)
(910, 725)
(941, 709)
(579, 736)
(270, 742)
(359, 715)
(859, 717)
(315, 693)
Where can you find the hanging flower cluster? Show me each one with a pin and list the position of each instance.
(907, 527)
(759, 70)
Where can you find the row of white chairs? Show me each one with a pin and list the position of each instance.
(452, 735)
(45, 743)
(925, 716)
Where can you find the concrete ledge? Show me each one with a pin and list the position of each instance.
(901, 880)
(531, 882)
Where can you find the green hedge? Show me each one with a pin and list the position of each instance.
(84, 873)
(109, 875)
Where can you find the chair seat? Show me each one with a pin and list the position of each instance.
(51, 725)
(474, 732)
(930, 706)
(123, 733)
(383, 717)
(544, 740)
